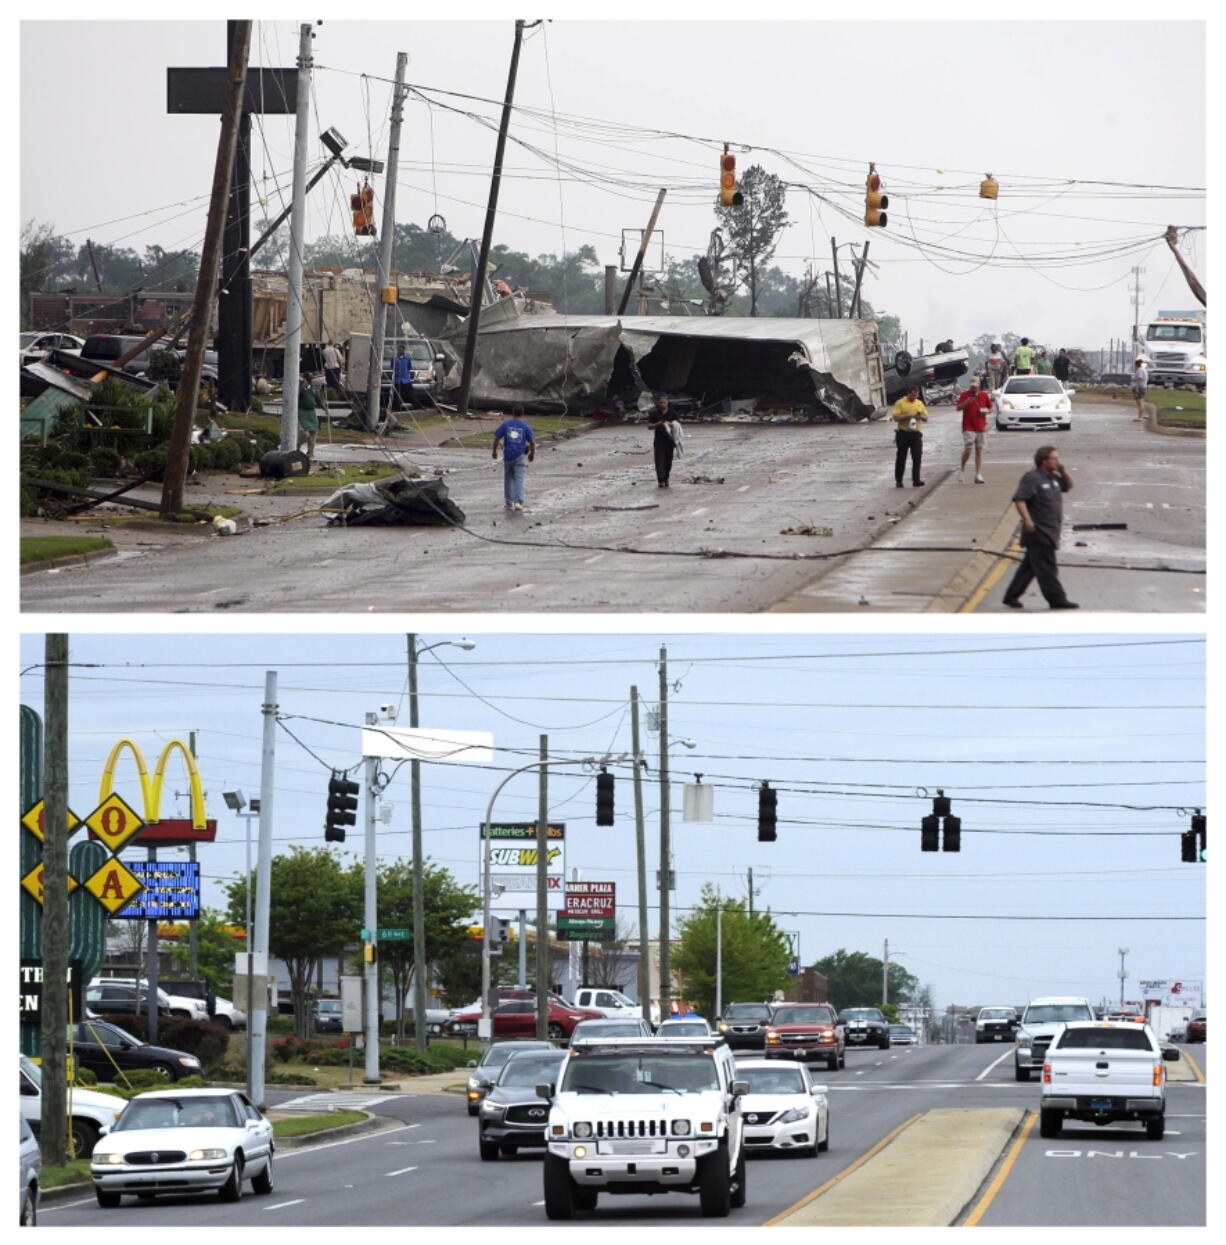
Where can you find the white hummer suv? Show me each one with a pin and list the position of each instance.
(645, 1115)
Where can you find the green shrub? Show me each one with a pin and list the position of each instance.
(106, 461)
(228, 454)
(151, 463)
(420, 1063)
(202, 1038)
(35, 501)
(86, 1078)
(165, 365)
(280, 1024)
(201, 458)
(310, 1050)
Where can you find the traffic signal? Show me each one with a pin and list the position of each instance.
(362, 205)
(767, 798)
(1187, 847)
(875, 203)
(952, 840)
(940, 804)
(342, 806)
(604, 798)
(1201, 830)
(368, 953)
(930, 834)
(729, 195)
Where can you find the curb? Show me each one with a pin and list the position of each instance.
(1152, 425)
(69, 559)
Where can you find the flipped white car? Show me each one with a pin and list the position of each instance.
(1033, 402)
(784, 1108)
(184, 1141)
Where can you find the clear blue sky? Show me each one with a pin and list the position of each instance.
(1071, 735)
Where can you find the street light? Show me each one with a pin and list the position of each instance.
(238, 803)
(419, 902)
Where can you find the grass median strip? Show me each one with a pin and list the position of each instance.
(47, 548)
(301, 1126)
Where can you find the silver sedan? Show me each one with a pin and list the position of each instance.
(184, 1141)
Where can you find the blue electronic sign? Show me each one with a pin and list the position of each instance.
(172, 891)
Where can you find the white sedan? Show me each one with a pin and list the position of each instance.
(1033, 402)
(784, 1109)
(184, 1141)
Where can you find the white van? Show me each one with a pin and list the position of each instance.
(609, 1003)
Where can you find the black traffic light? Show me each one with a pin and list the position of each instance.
(342, 807)
(875, 202)
(930, 834)
(767, 798)
(1200, 828)
(1187, 847)
(604, 798)
(952, 841)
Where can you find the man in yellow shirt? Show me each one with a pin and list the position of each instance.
(909, 414)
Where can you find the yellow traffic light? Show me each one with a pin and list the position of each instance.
(988, 187)
(368, 953)
(729, 195)
(875, 203)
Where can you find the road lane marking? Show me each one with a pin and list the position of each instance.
(1200, 1076)
(864, 1158)
(1003, 1056)
(400, 1171)
(538, 1203)
(700, 510)
(520, 588)
(594, 558)
(993, 577)
(1005, 1168)
(279, 1205)
(743, 488)
(282, 1155)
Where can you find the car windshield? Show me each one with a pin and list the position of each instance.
(640, 1072)
(747, 1011)
(170, 1112)
(496, 1056)
(1053, 1013)
(611, 1028)
(1173, 333)
(785, 1079)
(28, 338)
(861, 1013)
(1033, 384)
(95, 1031)
(329, 1005)
(1104, 1039)
(419, 352)
(801, 1016)
(901, 1029)
(684, 1028)
(530, 1069)
(997, 1013)
(32, 1070)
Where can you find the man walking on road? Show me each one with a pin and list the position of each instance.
(332, 366)
(518, 450)
(1060, 366)
(974, 405)
(402, 378)
(909, 414)
(1140, 383)
(667, 440)
(1040, 501)
(1042, 364)
(308, 416)
(998, 366)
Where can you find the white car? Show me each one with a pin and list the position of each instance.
(784, 1109)
(31, 1163)
(89, 1111)
(1033, 402)
(686, 1026)
(184, 1141)
(36, 346)
(227, 1015)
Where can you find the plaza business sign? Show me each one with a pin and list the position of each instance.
(172, 891)
(513, 849)
(1174, 993)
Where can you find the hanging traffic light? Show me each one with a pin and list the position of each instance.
(940, 804)
(930, 834)
(989, 187)
(952, 839)
(362, 206)
(342, 806)
(1200, 828)
(875, 203)
(604, 798)
(729, 195)
(1187, 847)
(767, 798)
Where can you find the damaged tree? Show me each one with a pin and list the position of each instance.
(753, 229)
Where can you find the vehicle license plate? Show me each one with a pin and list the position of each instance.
(646, 1146)
(1102, 1104)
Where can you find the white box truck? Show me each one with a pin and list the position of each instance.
(1174, 348)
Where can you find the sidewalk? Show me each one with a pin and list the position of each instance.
(915, 578)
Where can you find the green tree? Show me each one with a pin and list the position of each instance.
(754, 953)
(315, 910)
(43, 260)
(457, 968)
(752, 230)
(447, 906)
(215, 949)
(853, 979)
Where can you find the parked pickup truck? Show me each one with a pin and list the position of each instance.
(1102, 1072)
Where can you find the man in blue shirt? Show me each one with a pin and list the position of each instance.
(402, 377)
(518, 450)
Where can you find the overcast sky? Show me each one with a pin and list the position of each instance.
(1066, 758)
(631, 106)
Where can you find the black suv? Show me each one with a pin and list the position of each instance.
(743, 1025)
(865, 1026)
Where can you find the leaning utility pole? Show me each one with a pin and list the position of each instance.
(179, 449)
(861, 260)
(374, 381)
(1172, 240)
(637, 267)
(293, 307)
(487, 234)
(640, 852)
(665, 852)
(53, 1016)
(838, 289)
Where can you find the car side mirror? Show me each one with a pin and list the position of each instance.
(440, 358)
(1170, 1054)
(818, 1090)
(1070, 392)
(253, 1124)
(740, 1088)
(544, 1090)
(102, 1132)
(472, 1063)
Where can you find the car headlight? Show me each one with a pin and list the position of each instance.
(189, 1062)
(473, 1083)
(582, 1130)
(1007, 405)
(492, 1108)
(1198, 367)
(797, 1113)
(207, 1154)
(680, 1128)
(723, 1028)
(109, 1157)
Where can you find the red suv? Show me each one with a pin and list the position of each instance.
(807, 1031)
(517, 1018)
(1197, 1027)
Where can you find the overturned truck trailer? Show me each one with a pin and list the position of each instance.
(831, 369)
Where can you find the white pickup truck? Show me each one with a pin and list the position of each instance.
(1102, 1072)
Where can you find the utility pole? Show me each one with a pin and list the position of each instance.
(257, 1019)
(1123, 952)
(719, 957)
(53, 1134)
(666, 990)
(829, 297)
(542, 894)
(374, 382)
(206, 284)
(523, 947)
(419, 902)
(1136, 307)
(293, 307)
(838, 292)
(371, 918)
(487, 234)
(640, 854)
(751, 893)
(637, 267)
(1194, 283)
(885, 974)
(861, 260)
